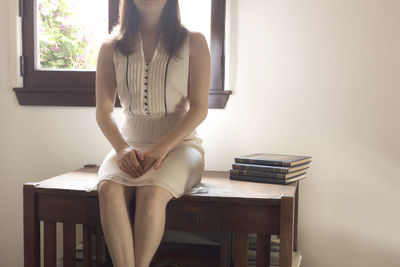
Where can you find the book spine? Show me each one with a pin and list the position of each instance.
(263, 162)
(259, 168)
(256, 179)
(258, 174)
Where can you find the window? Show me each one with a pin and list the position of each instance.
(62, 73)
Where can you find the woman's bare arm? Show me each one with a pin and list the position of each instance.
(105, 99)
(199, 87)
(106, 86)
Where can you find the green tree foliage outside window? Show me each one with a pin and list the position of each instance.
(63, 44)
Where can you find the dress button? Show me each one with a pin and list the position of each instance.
(145, 83)
(148, 113)
(145, 77)
(145, 96)
(145, 103)
(147, 70)
(145, 90)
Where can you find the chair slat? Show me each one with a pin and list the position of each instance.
(50, 249)
(263, 250)
(87, 246)
(69, 232)
(99, 252)
(241, 250)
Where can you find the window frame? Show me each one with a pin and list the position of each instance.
(77, 88)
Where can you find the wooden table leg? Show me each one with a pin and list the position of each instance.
(286, 231)
(241, 250)
(31, 228)
(296, 215)
(263, 250)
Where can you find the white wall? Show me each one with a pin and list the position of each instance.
(311, 77)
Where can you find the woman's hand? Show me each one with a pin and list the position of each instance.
(154, 155)
(128, 161)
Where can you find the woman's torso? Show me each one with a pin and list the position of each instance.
(154, 95)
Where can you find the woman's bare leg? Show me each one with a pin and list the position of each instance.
(149, 223)
(116, 221)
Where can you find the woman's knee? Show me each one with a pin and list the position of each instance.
(108, 190)
(152, 198)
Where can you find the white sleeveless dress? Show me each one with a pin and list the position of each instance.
(154, 98)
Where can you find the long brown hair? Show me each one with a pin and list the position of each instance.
(124, 34)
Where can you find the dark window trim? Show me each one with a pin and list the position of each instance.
(76, 88)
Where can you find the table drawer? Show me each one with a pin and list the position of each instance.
(193, 216)
(250, 218)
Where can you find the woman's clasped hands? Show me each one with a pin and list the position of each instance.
(137, 163)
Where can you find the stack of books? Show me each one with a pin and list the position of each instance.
(270, 168)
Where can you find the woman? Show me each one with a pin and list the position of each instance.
(161, 72)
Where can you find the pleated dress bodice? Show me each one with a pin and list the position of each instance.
(153, 95)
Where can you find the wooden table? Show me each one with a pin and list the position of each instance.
(229, 207)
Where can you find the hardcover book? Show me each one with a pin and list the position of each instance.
(266, 180)
(266, 174)
(266, 168)
(273, 159)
